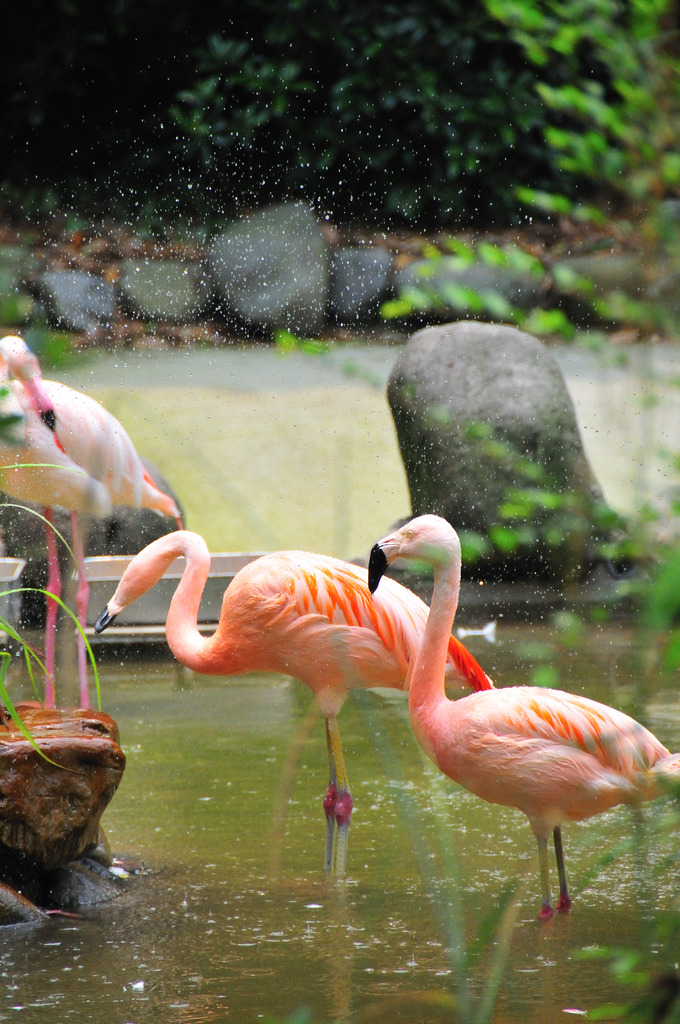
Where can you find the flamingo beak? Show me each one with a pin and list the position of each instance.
(104, 620)
(377, 565)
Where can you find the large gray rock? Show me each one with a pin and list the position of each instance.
(174, 290)
(271, 269)
(489, 440)
(359, 277)
(78, 300)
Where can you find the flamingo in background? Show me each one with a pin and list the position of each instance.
(308, 616)
(553, 755)
(89, 464)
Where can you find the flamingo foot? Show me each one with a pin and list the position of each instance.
(329, 800)
(338, 810)
(547, 911)
(343, 808)
(564, 903)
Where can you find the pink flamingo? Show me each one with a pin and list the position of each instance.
(308, 616)
(79, 457)
(553, 755)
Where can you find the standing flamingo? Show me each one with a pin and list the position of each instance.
(77, 456)
(553, 755)
(308, 616)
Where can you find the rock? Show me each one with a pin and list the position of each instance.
(76, 299)
(50, 809)
(578, 280)
(444, 281)
(271, 269)
(77, 885)
(359, 279)
(164, 289)
(484, 423)
(17, 909)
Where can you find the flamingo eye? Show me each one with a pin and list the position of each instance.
(409, 534)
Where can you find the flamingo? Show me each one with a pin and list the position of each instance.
(308, 616)
(77, 456)
(555, 756)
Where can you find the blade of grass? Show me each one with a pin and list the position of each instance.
(13, 713)
(15, 636)
(41, 517)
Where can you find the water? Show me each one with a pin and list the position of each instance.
(231, 918)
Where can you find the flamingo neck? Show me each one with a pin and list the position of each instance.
(426, 688)
(187, 644)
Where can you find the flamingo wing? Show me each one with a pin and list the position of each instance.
(95, 440)
(378, 636)
(614, 739)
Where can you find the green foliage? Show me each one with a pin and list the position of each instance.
(660, 601)
(568, 527)
(287, 342)
(404, 110)
(619, 128)
(420, 111)
(615, 129)
(344, 120)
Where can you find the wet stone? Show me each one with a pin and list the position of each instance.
(50, 812)
(458, 387)
(78, 300)
(271, 269)
(79, 885)
(359, 279)
(17, 909)
(173, 290)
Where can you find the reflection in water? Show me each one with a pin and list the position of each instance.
(211, 932)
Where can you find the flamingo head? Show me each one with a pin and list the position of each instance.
(428, 538)
(23, 364)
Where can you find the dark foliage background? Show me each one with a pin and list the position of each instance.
(420, 112)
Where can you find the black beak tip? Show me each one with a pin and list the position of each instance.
(103, 621)
(377, 564)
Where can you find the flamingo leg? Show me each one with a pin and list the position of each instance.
(82, 598)
(546, 907)
(564, 902)
(338, 801)
(53, 587)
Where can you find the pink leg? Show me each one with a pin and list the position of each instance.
(546, 907)
(564, 901)
(53, 587)
(329, 802)
(337, 803)
(82, 598)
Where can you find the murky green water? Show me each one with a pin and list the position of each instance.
(232, 919)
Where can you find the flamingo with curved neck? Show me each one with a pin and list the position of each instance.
(305, 615)
(555, 756)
